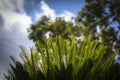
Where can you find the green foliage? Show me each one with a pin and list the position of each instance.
(62, 59)
(18, 72)
(39, 30)
(103, 14)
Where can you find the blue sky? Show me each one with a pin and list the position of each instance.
(16, 16)
(59, 6)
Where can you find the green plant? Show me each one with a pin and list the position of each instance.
(66, 60)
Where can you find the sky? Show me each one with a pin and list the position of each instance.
(16, 16)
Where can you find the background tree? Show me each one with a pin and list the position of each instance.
(44, 27)
(98, 19)
(102, 15)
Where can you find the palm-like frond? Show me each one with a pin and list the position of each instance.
(66, 60)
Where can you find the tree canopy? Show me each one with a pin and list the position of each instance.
(98, 19)
(44, 27)
(102, 14)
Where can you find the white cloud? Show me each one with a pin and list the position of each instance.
(67, 15)
(13, 5)
(46, 10)
(13, 19)
(16, 21)
(14, 15)
(15, 25)
(13, 30)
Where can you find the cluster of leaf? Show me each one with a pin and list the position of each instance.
(44, 28)
(62, 59)
(104, 14)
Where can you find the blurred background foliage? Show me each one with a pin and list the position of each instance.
(98, 19)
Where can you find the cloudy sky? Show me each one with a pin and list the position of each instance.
(16, 16)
